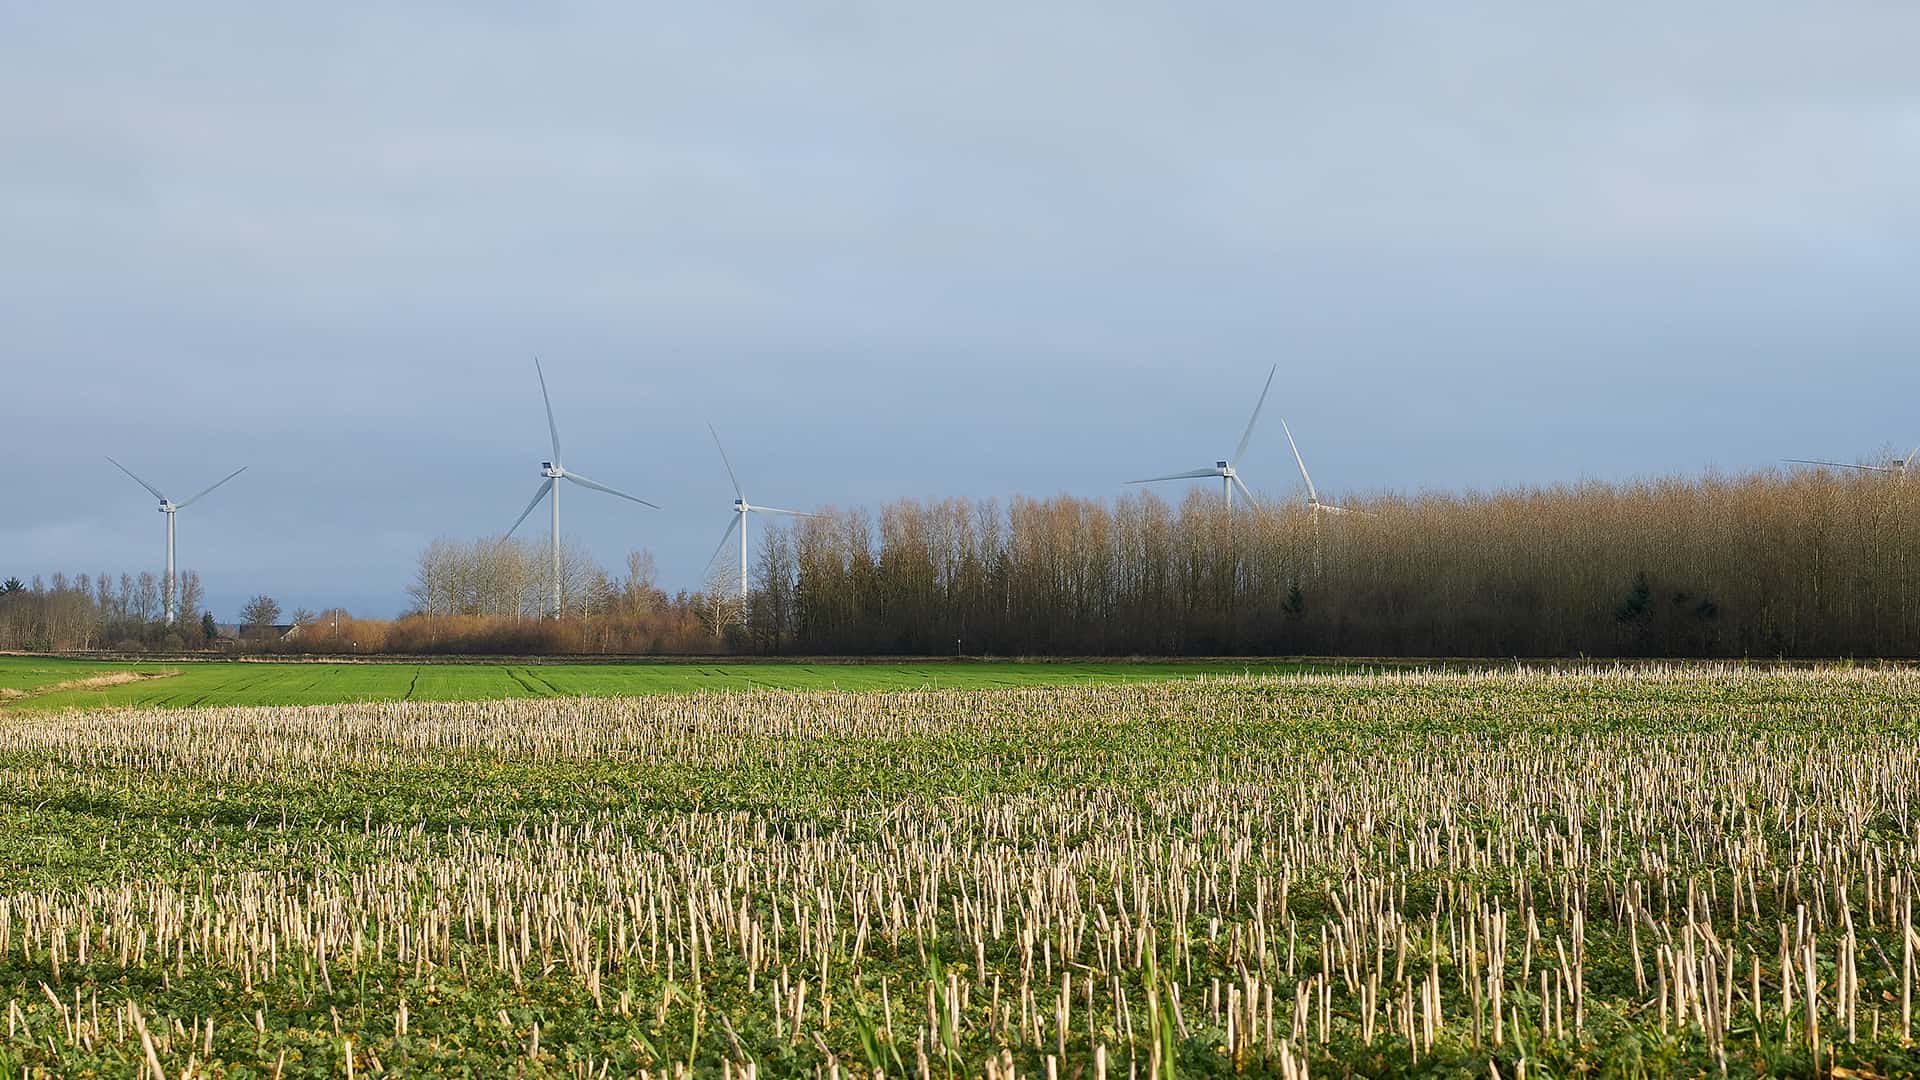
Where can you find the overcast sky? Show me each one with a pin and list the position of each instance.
(918, 250)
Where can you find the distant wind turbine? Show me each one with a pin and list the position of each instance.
(170, 508)
(1313, 497)
(554, 473)
(741, 508)
(1896, 467)
(1229, 477)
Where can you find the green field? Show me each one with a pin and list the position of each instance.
(32, 673)
(1694, 871)
(175, 685)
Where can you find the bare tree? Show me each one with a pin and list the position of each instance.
(770, 611)
(723, 610)
(433, 580)
(146, 597)
(259, 613)
(639, 592)
(192, 597)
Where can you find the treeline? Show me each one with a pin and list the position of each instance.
(680, 628)
(100, 611)
(482, 597)
(1801, 564)
(492, 596)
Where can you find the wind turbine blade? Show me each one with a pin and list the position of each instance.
(1194, 475)
(137, 480)
(777, 510)
(1908, 464)
(1242, 485)
(553, 429)
(727, 463)
(1241, 450)
(1837, 464)
(586, 483)
(545, 486)
(203, 494)
(722, 545)
(1312, 495)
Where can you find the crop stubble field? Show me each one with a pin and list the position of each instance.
(1526, 873)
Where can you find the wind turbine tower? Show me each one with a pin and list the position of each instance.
(170, 508)
(554, 472)
(741, 509)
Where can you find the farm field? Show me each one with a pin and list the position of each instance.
(1673, 871)
(22, 673)
(42, 683)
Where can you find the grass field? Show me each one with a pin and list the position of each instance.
(219, 683)
(33, 673)
(1668, 872)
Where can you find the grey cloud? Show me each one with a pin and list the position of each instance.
(898, 249)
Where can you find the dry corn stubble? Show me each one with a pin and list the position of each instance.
(1656, 869)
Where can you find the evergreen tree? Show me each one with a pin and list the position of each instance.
(1296, 601)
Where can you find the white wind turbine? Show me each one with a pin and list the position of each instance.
(1313, 497)
(170, 508)
(1229, 477)
(554, 473)
(1897, 467)
(741, 508)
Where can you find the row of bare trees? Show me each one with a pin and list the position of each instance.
(492, 595)
(1768, 564)
(501, 577)
(99, 611)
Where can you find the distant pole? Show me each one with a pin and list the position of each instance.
(556, 549)
(168, 584)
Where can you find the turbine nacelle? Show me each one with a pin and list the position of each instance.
(552, 471)
(1226, 470)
